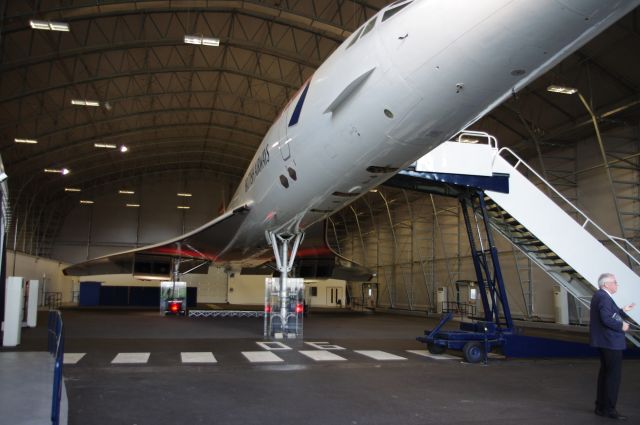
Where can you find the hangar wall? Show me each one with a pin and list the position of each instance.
(217, 286)
(108, 226)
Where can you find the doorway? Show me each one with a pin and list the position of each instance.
(334, 296)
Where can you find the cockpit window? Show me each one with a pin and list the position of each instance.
(369, 26)
(355, 38)
(390, 12)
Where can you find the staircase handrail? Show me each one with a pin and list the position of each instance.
(616, 240)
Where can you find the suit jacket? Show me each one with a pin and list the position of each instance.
(606, 320)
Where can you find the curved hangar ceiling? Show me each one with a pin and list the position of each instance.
(125, 74)
(190, 87)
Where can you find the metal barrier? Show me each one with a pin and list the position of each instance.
(225, 313)
(53, 300)
(463, 309)
(56, 348)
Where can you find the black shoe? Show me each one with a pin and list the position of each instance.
(616, 415)
(599, 412)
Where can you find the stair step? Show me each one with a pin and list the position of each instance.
(530, 242)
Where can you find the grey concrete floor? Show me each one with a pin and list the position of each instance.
(359, 390)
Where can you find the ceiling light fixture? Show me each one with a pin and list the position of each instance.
(104, 145)
(186, 195)
(201, 40)
(86, 202)
(72, 189)
(84, 102)
(63, 171)
(126, 192)
(123, 149)
(183, 207)
(49, 25)
(28, 141)
(561, 89)
(133, 205)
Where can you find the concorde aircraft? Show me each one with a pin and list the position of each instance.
(408, 79)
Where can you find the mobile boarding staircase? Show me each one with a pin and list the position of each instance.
(553, 233)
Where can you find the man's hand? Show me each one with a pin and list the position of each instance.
(625, 326)
(629, 307)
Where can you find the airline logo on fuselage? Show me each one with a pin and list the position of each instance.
(257, 168)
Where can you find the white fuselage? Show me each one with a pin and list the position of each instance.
(404, 87)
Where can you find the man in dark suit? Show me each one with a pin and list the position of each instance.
(607, 327)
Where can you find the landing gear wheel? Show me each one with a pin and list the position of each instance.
(435, 348)
(473, 352)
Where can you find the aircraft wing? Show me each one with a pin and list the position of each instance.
(202, 245)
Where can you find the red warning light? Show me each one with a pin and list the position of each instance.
(174, 307)
(299, 308)
(267, 309)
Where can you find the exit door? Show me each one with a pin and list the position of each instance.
(334, 297)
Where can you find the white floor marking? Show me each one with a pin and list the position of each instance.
(198, 357)
(426, 353)
(273, 346)
(73, 358)
(125, 358)
(379, 355)
(324, 345)
(261, 357)
(321, 355)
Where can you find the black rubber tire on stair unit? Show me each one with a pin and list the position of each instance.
(473, 352)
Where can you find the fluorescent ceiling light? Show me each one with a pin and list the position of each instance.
(63, 171)
(187, 195)
(126, 192)
(84, 102)
(183, 207)
(562, 89)
(29, 141)
(123, 149)
(201, 40)
(133, 205)
(104, 145)
(85, 201)
(49, 25)
(72, 189)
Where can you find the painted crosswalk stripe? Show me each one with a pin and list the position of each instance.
(322, 355)
(273, 345)
(131, 358)
(73, 358)
(198, 357)
(426, 353)
(379, 355)
(261, 357)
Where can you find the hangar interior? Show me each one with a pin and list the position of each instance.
(192, 116)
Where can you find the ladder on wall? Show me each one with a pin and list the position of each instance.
(572, 251)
